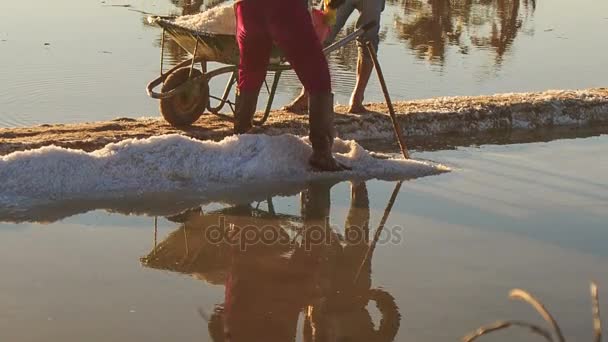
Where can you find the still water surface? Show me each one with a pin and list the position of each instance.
(529, 215)
(98, 57)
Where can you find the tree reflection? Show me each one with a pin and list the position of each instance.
(189, 7)
(429, 27)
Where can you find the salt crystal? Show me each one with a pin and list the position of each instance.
(171, 162)
(217, 20)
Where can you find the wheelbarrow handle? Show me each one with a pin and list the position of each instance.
(160, 79)
(350, 37)
(184, 87)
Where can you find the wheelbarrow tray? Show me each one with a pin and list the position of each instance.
(212, 47)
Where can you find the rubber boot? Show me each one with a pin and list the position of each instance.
(246, 104)
(322, 132)
(365, 66)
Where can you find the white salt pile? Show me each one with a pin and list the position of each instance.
(218, 20)
(177, 163)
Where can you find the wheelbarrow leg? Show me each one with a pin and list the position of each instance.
(162, 52)
(225, 95)
(271, 95)
(193, 59)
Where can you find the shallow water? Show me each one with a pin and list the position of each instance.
(527, 215)
(99, 57)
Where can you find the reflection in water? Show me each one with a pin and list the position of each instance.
(277, 268)
(342, 314)
(189, 6)
(432, 29)
(427, 27)
(430, 26)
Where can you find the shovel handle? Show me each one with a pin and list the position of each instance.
(350, 37)
(389, 103)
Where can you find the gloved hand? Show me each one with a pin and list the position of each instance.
(333, 4)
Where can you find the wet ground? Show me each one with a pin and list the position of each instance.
(526, 215)
(74, 61)
(471, 119)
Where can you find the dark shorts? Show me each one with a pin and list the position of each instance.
(369, 10)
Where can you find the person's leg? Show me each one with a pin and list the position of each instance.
(370, 10)
(342, 14)
(365, 66)
(255, 45)
(300, 103)
(291, 28)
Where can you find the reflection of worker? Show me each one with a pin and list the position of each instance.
(369, 11)
(267, 286)
(342, 314)
(288, 24)
(264, 296)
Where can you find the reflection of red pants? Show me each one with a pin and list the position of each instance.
(287, 23)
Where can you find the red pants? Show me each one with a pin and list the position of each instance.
(288, 24)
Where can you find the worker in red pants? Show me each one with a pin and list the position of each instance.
(286, 23)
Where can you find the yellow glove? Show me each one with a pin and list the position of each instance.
(329, 13)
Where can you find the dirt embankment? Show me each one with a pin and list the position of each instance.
(420, 120)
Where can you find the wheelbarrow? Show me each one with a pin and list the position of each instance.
(185, 93)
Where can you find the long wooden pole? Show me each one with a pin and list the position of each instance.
(389, 104)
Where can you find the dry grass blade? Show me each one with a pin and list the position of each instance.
(597, 321)
(540, 308)
(501, 325)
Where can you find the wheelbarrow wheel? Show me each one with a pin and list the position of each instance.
(185, 108)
